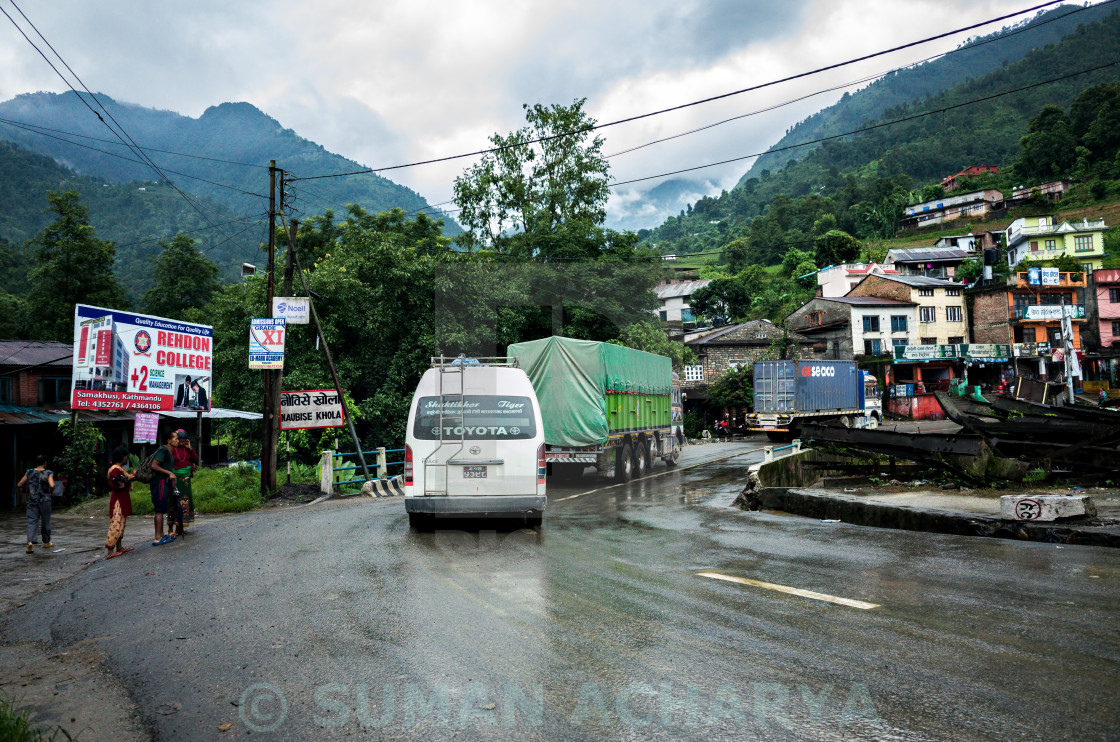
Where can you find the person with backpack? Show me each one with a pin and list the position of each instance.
(120, 501)
(163, 487)
(40, 486)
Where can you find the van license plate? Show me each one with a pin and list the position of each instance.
(474, 472)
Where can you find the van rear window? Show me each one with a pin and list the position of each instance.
(479, 417)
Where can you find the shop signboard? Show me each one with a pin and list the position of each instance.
(1049, 276)
(145, 427)
(314, 408)
(1034, 276)
(1031, 350)
(128, 361)
(295, 310)
(924, 352)
(1054, 312)
(986, 351)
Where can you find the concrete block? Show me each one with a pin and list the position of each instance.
(1045, 507)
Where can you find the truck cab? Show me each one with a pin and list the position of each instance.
(872, 403)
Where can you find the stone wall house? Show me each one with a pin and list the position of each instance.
(848, 326)
(732, 347)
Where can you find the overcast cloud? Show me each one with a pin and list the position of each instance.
(402, 80)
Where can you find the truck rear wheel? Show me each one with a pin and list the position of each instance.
(674, 455)
(641, 459)
(624, 464)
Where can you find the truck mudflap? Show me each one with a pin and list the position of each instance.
(581, 455)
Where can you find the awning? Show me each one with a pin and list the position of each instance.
(12, 415)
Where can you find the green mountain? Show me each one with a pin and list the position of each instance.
(133, 215)
(858, 183)
(225, 153)
(912, 85)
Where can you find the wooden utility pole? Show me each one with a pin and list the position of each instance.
(268, 421)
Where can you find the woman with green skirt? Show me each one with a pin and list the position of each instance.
(186, 460)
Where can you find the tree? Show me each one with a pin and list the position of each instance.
(546, 185)
(71, 266)
(734, 389)
(77, 458)
(1048, 149)
(835, 247)
(729, 297)
(648, 336)
(185, 280)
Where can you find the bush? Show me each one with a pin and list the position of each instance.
(693, 425)
(16, 726)
(235, 489)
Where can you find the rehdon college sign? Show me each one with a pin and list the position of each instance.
(314, 408)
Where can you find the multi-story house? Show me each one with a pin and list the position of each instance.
(846, 326)
(941, 318)
(1027, 312)
(674, 296)
(1040, 238)
(949, 208)
(1107, 291)
(838, 280)
(934, 262)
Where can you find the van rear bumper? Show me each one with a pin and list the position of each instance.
(477, 506)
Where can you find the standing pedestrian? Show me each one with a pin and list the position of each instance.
(163, 487)
(1102, 397)
(40, 486)
(120, 501)
(186, 460)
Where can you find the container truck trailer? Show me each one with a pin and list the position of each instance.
(603, 404)
(788, 392)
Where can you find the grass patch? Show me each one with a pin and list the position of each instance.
(16, 726)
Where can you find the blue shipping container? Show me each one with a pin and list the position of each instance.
(806, 387)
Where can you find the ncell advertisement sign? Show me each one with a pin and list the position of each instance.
(125, 361)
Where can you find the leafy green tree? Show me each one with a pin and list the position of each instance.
(534, 198)
(13, 317)
(835, 247)
(76, 461)
(794, 261)
(734, 389)
(649, 336)
(1048, 149)
(185, 280)
(71, 266)
(729, 297)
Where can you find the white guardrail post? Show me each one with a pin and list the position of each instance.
(382, 468)
(326, 472)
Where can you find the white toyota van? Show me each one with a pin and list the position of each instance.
(475, 444)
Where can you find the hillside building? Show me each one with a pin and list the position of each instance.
(948, 208)
(952, 182)
(838, 280)
(733, 346)
(932, 262)
(674, 296)
(941, 317)
(846, 326)
(1040, 238)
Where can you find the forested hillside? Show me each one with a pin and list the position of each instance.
(859, 184)
(977, 57)
(230, 146)
(134, 215)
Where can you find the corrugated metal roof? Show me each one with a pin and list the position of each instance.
(681, 288)
(927, 254)
(35, 353)
(12, 415)
(923, 281)
(868, 301)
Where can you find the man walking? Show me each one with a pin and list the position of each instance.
(40, 485)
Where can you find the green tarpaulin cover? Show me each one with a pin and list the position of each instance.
(572, 378)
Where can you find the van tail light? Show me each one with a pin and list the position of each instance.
(542, 465)
(408, 465)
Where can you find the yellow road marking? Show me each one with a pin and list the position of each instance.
(791, 590)
(660, 474)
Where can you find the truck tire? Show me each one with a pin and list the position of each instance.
(624, 464)
(674, 456)
(641, 459)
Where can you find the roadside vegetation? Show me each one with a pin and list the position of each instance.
(16, 726)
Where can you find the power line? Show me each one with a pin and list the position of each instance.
(702, 101)
(860, 130)
(192, 231)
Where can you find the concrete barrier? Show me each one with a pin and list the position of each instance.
(1045, 508)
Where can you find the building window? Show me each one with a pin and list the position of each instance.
(898, 323)
(1115, 332)
(1087, 268)
(1114, 296)
(929, 341)
(693, 373)
(953, 314)
(872, 347)
(54, 390)
(6, 389)
(815, 318)
(1034, 246)
(1051, 245)
(956, 339)
(1024, 334)
(927, 314)
(1083, 242)
(925, 292)
(871, 324)
(900, 341)
(952, 292)
(664, 315)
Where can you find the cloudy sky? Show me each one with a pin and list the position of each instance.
(395, 81)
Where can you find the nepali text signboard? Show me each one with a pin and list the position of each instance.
(1031, 350)
(127, 361)
(296, 310)
(266, 343)
(986, 351)
(1054, 311)
(924, 352)
(1050, 277)
(314, 408)
(145, 428)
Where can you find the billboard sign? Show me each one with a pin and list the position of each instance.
(1031, 350)
(924, 352)
(1034, 276)
(145, 428)
(266, 343)
(296, 310)
(128, 361)
(1050, 277)
(1054, 311)
(314, 408)
(987, 351)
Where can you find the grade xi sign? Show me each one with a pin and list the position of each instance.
(313, 408)
(126, 361)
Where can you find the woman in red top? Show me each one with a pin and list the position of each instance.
(120, 501)
(185, 461)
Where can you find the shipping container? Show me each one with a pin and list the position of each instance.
(785, 392)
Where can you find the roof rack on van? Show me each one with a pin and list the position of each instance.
(463, 360)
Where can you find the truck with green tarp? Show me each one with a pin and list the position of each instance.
(603, 404)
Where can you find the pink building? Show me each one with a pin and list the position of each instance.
(1108, 306)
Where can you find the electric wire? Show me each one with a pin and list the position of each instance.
(710, 99)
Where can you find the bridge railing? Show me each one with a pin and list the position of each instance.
(337, 469)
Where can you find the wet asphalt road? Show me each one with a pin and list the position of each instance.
(337, 621)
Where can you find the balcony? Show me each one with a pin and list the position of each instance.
(1022, 279)
(1047, 312)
